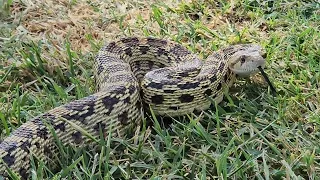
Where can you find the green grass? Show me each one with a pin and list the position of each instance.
(250, 135)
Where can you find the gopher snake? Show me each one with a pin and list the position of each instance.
(171, 80)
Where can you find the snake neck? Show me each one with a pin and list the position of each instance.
(216, 70)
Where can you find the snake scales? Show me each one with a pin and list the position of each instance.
(131, 73)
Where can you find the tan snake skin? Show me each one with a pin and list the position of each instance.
(131, 73)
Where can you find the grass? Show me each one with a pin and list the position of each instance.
(46, 54)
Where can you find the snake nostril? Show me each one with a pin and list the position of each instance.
(264, 55)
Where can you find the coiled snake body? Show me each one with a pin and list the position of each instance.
(131, 73)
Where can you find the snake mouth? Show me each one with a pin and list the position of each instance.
(266, 78)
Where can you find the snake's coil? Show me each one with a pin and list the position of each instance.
(171, 79)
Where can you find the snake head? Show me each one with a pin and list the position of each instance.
(245, 61)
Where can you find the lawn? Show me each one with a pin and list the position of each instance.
(47, 49)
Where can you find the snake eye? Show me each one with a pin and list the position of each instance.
(242, 59)
(264, 55)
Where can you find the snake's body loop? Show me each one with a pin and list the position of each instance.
(129, 73)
